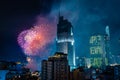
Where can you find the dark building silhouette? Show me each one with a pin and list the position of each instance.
(112, 72)
(77, 74)
(56, 67)
(14, 71)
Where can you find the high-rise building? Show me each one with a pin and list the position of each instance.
(65, 40)
(98, 51)
(56, 67)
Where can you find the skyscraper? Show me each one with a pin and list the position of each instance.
(98, 51)
(56, 67)
(65, 40)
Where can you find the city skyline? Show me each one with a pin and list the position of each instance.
(86, 17)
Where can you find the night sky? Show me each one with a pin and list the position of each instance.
(87, 17)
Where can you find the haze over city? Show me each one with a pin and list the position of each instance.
(27, 17)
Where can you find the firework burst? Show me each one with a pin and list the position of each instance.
(34, 40)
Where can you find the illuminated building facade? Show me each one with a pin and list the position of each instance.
(56, 67)
(98, 51)
(65, 40)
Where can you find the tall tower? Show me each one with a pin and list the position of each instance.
(65, 40)
(107, 41)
